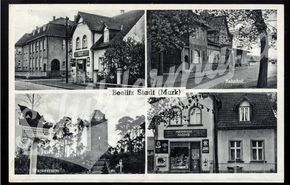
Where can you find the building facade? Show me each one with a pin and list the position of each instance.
(185, 142)
(246, 133)
(94, 34)
(223, 132)
(206, 43)
(42, 53)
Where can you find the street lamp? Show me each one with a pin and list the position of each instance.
(66, 50)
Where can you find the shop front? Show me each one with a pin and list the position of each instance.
(184, 151)
(81, 66)
(184, 141)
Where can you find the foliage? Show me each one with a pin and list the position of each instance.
(161, 109)
(128, 55)
(21, 162)
(168, 28)
(246, 25)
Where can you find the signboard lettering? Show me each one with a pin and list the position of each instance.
(205, 146)
(185, 133)
(81, 53)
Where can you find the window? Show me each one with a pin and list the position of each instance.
(175, 116)
(195, 56)
(85, 44)
(101, 66)
(244, 111)
(63, 44)
(235, 151)
(78, 44)
(63, 64)
(195, 116)
(106, 35)
(44, 44)
(257, 150)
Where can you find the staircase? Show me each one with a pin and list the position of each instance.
(100, 167)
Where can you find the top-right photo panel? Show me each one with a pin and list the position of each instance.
(212, 49)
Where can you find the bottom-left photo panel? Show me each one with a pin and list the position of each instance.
(79, 133)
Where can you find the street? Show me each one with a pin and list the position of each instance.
(26, 85)
(241, 77)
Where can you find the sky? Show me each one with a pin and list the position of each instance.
(53, 107)
(26, 18)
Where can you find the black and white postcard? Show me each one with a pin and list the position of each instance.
(146, 93)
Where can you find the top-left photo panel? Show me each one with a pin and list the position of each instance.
(56, 47)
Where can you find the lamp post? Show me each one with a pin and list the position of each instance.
(66, 51)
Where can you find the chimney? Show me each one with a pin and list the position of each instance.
(122, 27)
(53, 18)
(122, 11)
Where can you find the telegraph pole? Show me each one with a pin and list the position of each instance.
(66, 50)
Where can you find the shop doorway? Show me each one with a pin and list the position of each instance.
(81, 70)
(185, 157)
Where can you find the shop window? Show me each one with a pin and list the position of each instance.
(175, 116)
(85, 44)
(78, 44)
(244, 111)
(195, 116)
(257, 150)
(179, 156)
(235, 151)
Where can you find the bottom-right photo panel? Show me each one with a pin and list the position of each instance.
(212, 133)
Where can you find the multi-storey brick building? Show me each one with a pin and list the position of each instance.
(42, 52)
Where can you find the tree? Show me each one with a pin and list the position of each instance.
(128, 55)
(33, 100)
(168, 29)
(250, 28)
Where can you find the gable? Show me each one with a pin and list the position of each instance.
(262, 113)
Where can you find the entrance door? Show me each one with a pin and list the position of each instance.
(81, 70)
(195, 157)
(55, 66)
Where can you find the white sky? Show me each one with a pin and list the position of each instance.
(28, 17)
(56, 106)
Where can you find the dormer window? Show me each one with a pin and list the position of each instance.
(106, 35)
(244, 111)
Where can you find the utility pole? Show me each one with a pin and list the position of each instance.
(66, 50)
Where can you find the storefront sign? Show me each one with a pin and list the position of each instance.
(205, 146)
(161, 146)
(81, 53)
(185, 133)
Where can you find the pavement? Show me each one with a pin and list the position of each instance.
(53, 84)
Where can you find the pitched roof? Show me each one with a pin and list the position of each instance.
(55, 28)
(262, 115)
(23, 40)
(98, 22)
(126, 21)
